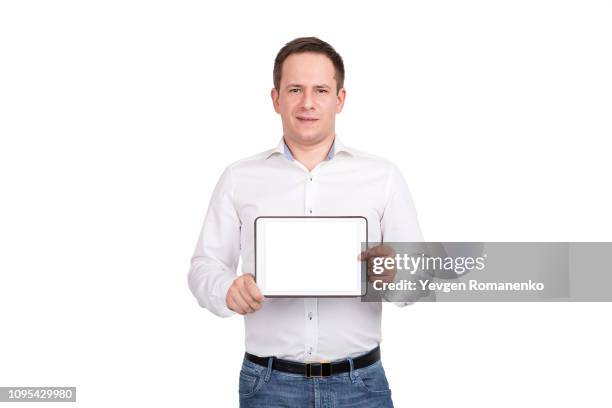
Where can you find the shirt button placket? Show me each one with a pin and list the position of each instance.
(310, 192)
(310, 304)
(312, 328)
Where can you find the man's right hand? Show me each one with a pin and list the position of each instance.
(244, 296)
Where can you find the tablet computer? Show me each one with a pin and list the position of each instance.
(310, 256)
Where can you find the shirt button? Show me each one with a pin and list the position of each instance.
(310, 211)
(309, 315)
(310, 178)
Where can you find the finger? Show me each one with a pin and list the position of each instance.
(386, 272)
(231, 305)
(382, 265)
(379, 250)
(253, 289)
(386, 279)
(380, 269)
(243, 306)
(248, 298)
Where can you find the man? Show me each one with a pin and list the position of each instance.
(311, 172)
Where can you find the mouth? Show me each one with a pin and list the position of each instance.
(307, 119)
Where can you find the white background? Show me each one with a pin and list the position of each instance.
(118, 117)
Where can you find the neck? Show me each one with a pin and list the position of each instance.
(311, 155)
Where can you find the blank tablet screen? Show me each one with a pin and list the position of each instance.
(309, 256)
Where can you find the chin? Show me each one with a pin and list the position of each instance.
(309, 137)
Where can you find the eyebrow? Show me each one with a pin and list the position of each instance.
(301, 86)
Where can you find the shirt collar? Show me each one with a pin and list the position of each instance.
(283, 149)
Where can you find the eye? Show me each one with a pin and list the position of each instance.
(323, 91)
(294, 90)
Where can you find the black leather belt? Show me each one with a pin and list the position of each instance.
(318, 369)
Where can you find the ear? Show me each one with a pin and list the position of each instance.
(274, 95)
(340, 100)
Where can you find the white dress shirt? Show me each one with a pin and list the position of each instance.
(349, 183)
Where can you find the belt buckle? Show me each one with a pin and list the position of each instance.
(321, 369)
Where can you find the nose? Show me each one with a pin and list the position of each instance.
(307, 99)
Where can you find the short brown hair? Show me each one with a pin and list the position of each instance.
(308, 44)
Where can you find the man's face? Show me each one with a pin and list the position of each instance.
(307, 99)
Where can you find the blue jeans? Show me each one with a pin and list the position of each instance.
(262, 387)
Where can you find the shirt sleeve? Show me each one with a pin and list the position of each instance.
(215, 259)
(399, 223)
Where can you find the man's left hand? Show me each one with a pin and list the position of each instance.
(379, 251)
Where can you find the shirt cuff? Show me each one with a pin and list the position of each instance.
(221, 306)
